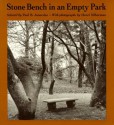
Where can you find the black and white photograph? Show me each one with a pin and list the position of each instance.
(56, 69)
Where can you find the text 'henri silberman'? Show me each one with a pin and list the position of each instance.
(67, 6)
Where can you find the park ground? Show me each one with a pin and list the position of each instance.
(82, 111)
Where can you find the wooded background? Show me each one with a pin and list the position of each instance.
(66, 50)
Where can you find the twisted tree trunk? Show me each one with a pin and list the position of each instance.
(25, 93)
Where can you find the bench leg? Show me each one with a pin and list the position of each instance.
(70, 104)
(51, 106)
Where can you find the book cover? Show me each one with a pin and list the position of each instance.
(56, 62)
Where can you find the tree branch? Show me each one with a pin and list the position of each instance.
(71, 39)
(88, 25)
(96, 32)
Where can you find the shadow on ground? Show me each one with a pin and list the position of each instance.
(82, 111)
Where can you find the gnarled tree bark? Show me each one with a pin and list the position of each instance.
(25, 94)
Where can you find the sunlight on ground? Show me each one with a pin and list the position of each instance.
(81, 110)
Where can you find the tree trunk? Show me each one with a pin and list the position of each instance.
(51, 63)
(34, 51)
(51, 87)
(82, 57)
(70, 69)
(51, 67)
(27, 40)
(95, 57)
(25, 94)
(22, 101)
(99, 94)
(90, 65)
(80, 77)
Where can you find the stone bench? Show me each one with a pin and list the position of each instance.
(51, 103)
